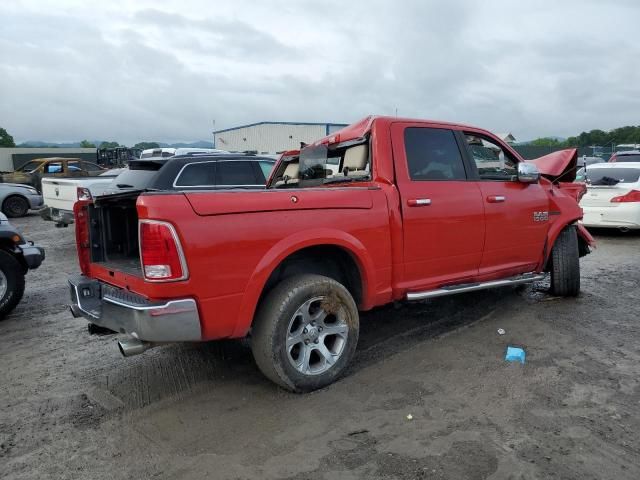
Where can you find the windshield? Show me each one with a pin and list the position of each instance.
(133, 179)
(612, 176)
(30, 166)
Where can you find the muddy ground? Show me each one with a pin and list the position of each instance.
(72, 407)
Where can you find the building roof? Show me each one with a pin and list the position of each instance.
(330, 124)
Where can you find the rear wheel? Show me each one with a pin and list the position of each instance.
(565, 264)
(15, 206)
(11, 283)
(305, 332)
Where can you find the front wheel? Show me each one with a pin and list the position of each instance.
(11, 283)
(305, 332)
(565, 264)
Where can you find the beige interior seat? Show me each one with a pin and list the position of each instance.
(356, 161)
(291, 172)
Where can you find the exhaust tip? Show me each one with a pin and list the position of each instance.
(132, 346)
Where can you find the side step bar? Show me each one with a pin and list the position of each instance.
(470, 287)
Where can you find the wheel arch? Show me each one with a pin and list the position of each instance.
(307, 249)
(585, 240)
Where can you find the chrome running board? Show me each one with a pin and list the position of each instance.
(470, 287)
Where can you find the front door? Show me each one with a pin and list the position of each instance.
(442, 210)
(516, 214)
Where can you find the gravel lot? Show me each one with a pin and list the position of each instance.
(72, 407)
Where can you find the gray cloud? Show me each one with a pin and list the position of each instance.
(149, 72)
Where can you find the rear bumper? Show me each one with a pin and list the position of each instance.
(64, 217)
(125, 312)
(618, 216)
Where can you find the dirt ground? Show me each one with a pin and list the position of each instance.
(72, 407)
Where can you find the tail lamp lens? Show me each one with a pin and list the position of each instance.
(632, 196)
(160, 252)
(84, 194)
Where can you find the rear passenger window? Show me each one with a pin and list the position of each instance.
(433, 154)
(236, 173)
(197, 175)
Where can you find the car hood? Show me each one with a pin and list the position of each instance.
(558, 166)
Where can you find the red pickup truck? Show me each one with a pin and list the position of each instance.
(386, 209)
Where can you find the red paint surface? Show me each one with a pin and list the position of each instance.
(233, 241)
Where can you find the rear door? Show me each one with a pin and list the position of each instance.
(442, 210)
(516, 214)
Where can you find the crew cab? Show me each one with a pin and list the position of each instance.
(415, 210)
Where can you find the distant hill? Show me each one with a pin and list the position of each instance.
(41, 144)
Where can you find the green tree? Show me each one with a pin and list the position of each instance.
(145, 145)
(87, 144)
(547, 142)
(6, 140)
(109, 145)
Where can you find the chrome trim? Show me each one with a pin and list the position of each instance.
(454, 289)
(166, 321)
(528, 173)
(176, 239)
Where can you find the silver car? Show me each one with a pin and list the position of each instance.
(16, 199)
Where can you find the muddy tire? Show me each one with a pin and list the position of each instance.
(15, 206)
(305, 332)
(565, 264)
(11, 283)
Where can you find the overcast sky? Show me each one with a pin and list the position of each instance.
(165, 70)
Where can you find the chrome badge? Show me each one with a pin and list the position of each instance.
(540, 216)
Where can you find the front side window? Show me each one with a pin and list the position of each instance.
(73, 166)
(491, 160)
(433, 154)
(232, 173)
(266, 168)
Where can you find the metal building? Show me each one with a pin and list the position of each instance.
(271, 137)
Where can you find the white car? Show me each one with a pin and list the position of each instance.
(60, 194)
(613, 196)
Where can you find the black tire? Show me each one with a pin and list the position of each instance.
(271, 328)
(565, 264)
(14, 277)
(15, 206)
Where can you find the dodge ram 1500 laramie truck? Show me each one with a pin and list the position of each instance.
(386, 209)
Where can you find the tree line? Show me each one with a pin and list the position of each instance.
(7, 141)
(617, 136)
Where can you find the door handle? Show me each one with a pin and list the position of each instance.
(496, 198)
(419, 202)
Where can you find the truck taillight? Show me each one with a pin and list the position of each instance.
(632, 196)
(80, 212)
(160, 252)
(84, 194)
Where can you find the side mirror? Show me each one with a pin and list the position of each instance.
(528, 173)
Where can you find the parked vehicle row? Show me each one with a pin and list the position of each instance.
(386, 209)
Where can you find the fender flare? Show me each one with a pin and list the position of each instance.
(554, 232)
(291, 244)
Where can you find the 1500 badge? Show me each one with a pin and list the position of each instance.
(540, 216)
